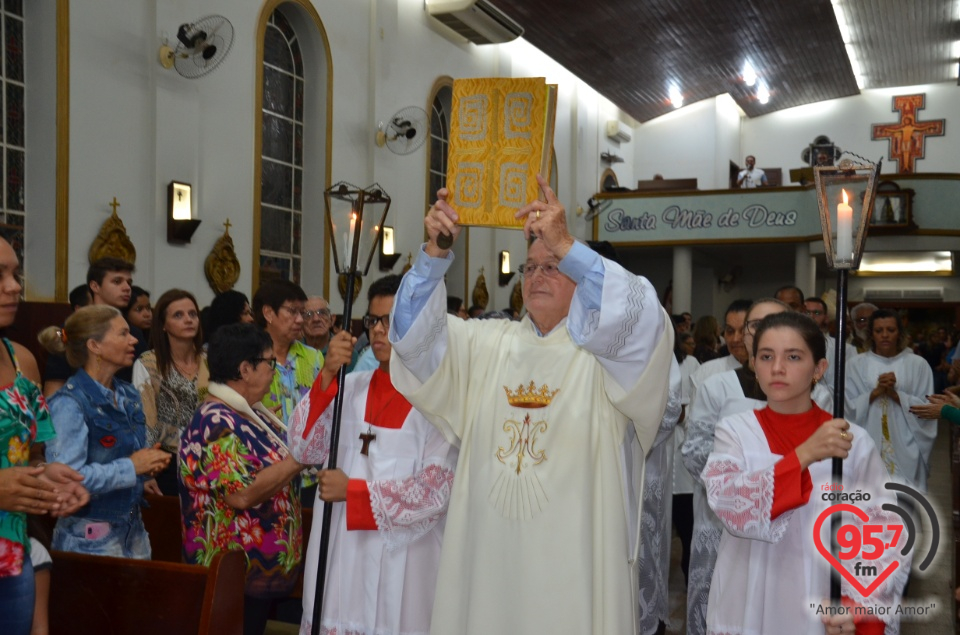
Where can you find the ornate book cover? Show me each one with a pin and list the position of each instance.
(501, 136)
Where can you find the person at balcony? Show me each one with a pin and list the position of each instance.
(751, 176)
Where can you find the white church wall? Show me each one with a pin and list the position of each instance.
(778, 138)
(680, 144)
(135, 127)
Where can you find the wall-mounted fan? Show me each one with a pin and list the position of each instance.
(201, 46)
(405, 132)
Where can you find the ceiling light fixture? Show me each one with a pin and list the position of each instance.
(848, 42)
(676, 97)
(749, 74)
(763, 93)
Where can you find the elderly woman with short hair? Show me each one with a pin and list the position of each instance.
(237, 480)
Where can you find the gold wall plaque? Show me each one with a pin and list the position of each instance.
(516, 298)
(221, 266)
(481, 297)
(112, 240)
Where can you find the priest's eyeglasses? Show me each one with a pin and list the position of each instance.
(371, 321)
(319, 313)
(547, 269)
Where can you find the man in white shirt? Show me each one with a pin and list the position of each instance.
(751, 176)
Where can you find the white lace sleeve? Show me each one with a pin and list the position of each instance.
(741, 500)
(309, 444)
(407, 510)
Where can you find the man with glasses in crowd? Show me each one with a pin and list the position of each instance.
(733, 320)
(816, 309)
(389, 494)
(553, 415)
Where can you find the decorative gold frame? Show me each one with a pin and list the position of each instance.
(265, 12)
(62, 221)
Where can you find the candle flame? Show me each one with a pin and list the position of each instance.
(846, 198)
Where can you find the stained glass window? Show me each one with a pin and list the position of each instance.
(439, 140)
(12, 126)
(281, 172)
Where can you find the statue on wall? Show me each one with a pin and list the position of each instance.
(516, 298)
(112, 240)
(481, 297)
(221, 266)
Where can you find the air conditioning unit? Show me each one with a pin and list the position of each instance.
(927, 294)
(618, 131)
(476, 21)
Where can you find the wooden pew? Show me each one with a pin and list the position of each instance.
(97, 595)
(162, 519)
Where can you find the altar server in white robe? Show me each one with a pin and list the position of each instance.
(655, 520)
(720, 395)
(390, 494)
(553, 416)
(766, 479)
(882, 384)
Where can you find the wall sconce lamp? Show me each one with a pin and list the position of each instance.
(388, 252)
(180, 221)
(505, 274)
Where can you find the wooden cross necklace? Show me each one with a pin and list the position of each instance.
(367, 437)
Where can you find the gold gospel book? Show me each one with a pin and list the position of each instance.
(501, 136)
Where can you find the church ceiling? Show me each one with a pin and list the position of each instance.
(632, 51)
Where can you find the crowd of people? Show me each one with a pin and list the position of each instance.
(495, 474)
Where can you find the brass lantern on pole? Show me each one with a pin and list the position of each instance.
(354, 224)
(845, 194)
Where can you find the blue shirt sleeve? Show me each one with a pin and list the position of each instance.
(70, 447)
(415, 289)
(585, 267)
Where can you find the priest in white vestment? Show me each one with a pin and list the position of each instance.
(390, 493)
(882, 384)
(553, 416)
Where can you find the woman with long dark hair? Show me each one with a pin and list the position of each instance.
(172, 377)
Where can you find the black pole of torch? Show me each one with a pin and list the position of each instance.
(352, 275)
(839, 379)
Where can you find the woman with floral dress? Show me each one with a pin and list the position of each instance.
(27, 485)
(237, 480)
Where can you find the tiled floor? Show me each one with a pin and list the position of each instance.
(934, 586)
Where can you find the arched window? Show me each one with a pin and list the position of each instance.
(281, 167)
(439, 137)
(12, 126)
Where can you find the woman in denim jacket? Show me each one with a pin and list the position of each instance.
(100, 433)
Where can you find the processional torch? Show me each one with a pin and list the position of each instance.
(354, 225)
(845, 194)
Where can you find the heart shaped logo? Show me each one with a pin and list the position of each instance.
(825, 551)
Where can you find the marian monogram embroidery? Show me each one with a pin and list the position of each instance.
(517, 492)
